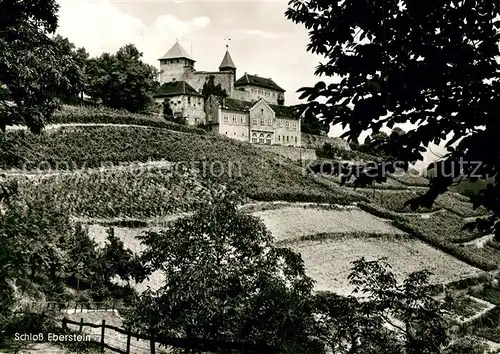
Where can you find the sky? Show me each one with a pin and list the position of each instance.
(262, 41)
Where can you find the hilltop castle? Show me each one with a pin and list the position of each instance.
(253, 110)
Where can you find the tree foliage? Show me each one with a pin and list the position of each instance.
(209, 88)
(390, 317)
(74, 68)
(311, 124)
(33, 73)
(117, 260)
(430, 64)
(122, 80)
(224, 280)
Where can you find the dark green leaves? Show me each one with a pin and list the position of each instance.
(428, 64)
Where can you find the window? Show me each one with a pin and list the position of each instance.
(177, 61)
(279, 137)
(280, 123)
(287, 139)
(270, 121)
(234, 118)
(262, 121)
(189, 99)
(261, 139)
(287, 124)
(255, 121)
(268, 139)
(262, 111)
(254, 138)
(226, 118)
(294, 125)
(241, 119)
(295, 140)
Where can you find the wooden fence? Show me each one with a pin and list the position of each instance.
(203, 345)
(72, 307)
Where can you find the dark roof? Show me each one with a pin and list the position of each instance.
(227, 62)
(285, 111)
(235, 105)
(289, 112)
(257, 81)
(176, 88)
(176, 52)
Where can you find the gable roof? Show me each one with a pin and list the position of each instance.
(227, 61)
(289, 112)
(234, 105)
(176, 88)
(257, 81)
(176, 52)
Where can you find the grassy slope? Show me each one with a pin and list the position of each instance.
(260, 175)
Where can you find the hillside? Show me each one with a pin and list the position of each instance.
(137, 173)
(140, 171)
(153, 188)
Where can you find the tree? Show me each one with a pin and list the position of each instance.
(390, 317)
(311, 124)
(82, 256)
(209, 88)
(32, 71)
(122, 80)
(431, 64)
(118, 260)
(224, 280)
(79, 57)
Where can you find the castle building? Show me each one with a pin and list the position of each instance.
(253, 110)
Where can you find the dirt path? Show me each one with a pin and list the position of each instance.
(422, 215)
(120, 167)
(78, 125)
(479, 242)
(40, 348)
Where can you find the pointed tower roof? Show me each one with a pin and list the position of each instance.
(227, 62)
(176, 52)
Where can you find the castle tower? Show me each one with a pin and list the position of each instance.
(175, 64)
(227, 64)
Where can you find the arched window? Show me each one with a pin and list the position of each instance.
(268, 139)
(254, 138)
(261, 139)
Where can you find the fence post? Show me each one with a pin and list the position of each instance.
(152, 343)
(129, 335)
(81, 325)
(102, 335)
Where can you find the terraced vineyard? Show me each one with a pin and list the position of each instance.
(394, 200)
(346, 236)
(142, 192)
(329, 238)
